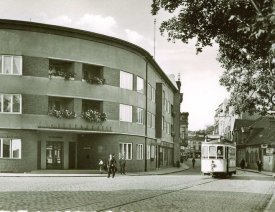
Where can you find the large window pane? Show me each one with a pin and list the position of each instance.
(16, 103)
(16, 148)
(7, 65)
(140, 85)
(125, 113)
(17, 65)
(140, 116)
(0, 147)
(6, 148)
(204, 152)
(212, 152)
(7, 103)
(220, 152)
(129, 151)
(126, 80)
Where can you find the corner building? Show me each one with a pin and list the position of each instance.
(70, 97)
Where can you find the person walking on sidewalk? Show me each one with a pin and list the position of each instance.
(122, 164)
(242, 164)
(100, 164)
(193, 162)
(111, 166)
(259, 164)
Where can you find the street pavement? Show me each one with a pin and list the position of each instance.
(185, 189)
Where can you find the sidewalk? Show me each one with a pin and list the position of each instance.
(256, 171)
(90, 173)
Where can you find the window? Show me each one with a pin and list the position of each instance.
(11, 65)
(125, 113)
(139, 151)
(153, 94)
(163, 99)
(168, 107)
(10, 148)
(153, 121)
(212, 152)
(162, 123)
(149, 93)
(140, 116)
(126, 150)
(153, 150)
(204, 152)
(149, 119)
(168, 128)
(220, 152)
(10, 103)
(140, 85)
(148, 150)
(126, 80)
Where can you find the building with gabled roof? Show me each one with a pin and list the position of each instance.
(256, 141)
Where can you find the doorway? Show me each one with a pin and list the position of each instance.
(54, 155)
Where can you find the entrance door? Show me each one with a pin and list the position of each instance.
(54, 155)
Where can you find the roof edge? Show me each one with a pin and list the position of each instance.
(82, 34)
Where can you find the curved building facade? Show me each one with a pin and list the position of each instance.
(69, 98)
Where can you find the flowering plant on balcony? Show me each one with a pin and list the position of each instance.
(59, 72)
(62, 114)
(94, 116)
(95, 80)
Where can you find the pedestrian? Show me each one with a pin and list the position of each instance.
(111, 166)
(242, 164)
(259, 164)
(193, 162)
(100, 164)
(122, 164)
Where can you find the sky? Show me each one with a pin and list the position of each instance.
(132, 21)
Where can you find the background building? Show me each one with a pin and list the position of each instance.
(69, 98)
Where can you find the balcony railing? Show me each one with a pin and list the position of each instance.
(59, 72)
(95, 80)
(94, 116)
(62, 114)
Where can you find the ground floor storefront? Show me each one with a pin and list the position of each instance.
(27, 150)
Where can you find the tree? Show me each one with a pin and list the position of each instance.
(244, 31)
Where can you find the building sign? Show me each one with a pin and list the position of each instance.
(269, 150)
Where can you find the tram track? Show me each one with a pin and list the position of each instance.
(112, 207)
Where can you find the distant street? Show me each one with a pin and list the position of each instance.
(184, 191)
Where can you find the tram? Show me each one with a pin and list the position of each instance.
(218, 157)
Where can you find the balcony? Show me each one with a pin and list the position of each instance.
(61, 69)
(93, 74)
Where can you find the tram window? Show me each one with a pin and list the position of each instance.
(204, 152)
(220, 152)
(212, 152)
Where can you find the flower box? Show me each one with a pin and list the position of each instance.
(94, 116)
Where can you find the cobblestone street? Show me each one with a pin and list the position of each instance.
(184, 191)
